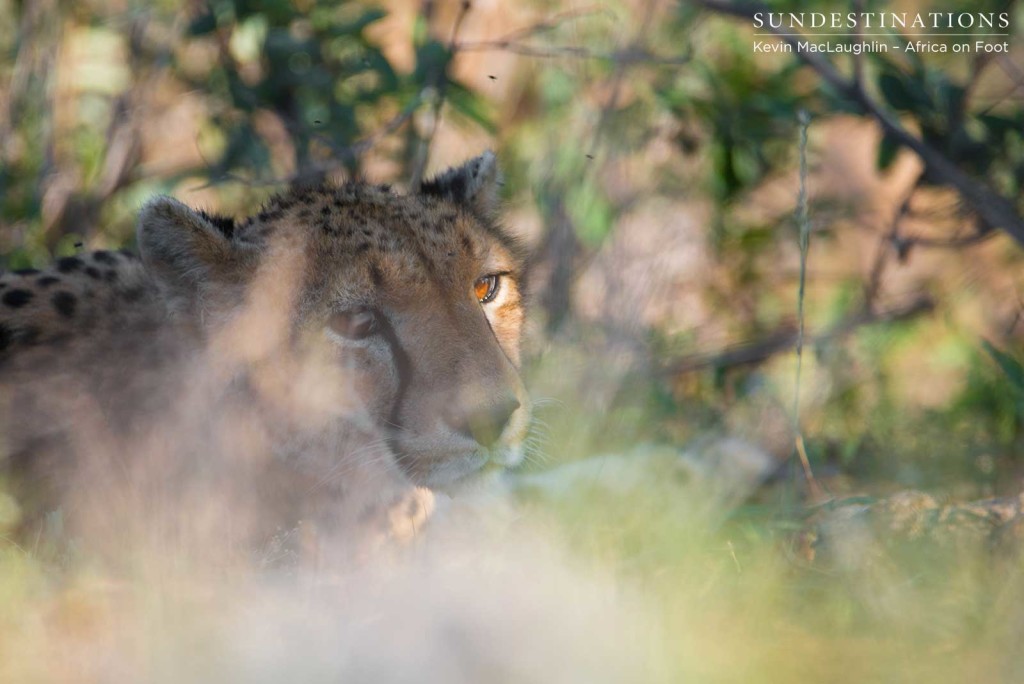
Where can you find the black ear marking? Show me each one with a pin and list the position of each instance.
(225, 224)
(474, 184)
(186, 250)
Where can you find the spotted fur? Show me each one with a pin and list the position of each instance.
(438, 372)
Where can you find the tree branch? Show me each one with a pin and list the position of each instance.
(991, 207)
(784, 339)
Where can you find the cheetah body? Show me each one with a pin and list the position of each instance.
(334, 311)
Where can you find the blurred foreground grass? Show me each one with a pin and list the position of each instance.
(722, 596)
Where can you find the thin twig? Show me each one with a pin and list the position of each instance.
(78, 209)
(343, 153)
(1012, 325)
(885, 243)
(983, 234)
(422, 155)
(617, 80)
(561, 245)
(858, 58)
(784, 339)
(628, 57)
(354, 150)
(1016, 83)
(459, 19)
(549, 24)
(804, 227)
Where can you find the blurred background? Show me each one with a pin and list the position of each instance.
(653, 161)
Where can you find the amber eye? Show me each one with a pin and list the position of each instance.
(486, 288)
(354, 324)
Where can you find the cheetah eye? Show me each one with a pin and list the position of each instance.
(486, 288)
(354, 324)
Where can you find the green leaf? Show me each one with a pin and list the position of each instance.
(888, 148)
(996, 127)
(431, 63)
(592, 213)
(356, 26)
(467, 103)
(1011, 367)
(202, 24)
(952, 97)
(895, 93)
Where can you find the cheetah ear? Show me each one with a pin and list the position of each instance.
(186, 249)
(474, 184)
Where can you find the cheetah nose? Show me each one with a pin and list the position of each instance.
(486, 421)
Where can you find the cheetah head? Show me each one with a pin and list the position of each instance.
(409, 304)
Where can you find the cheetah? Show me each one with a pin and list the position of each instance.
(339, 324)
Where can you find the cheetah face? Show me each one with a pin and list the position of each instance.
(412, 304)
(439, 359)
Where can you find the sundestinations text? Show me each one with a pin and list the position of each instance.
(881, 20)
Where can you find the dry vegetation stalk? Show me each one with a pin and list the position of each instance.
(804, 227)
